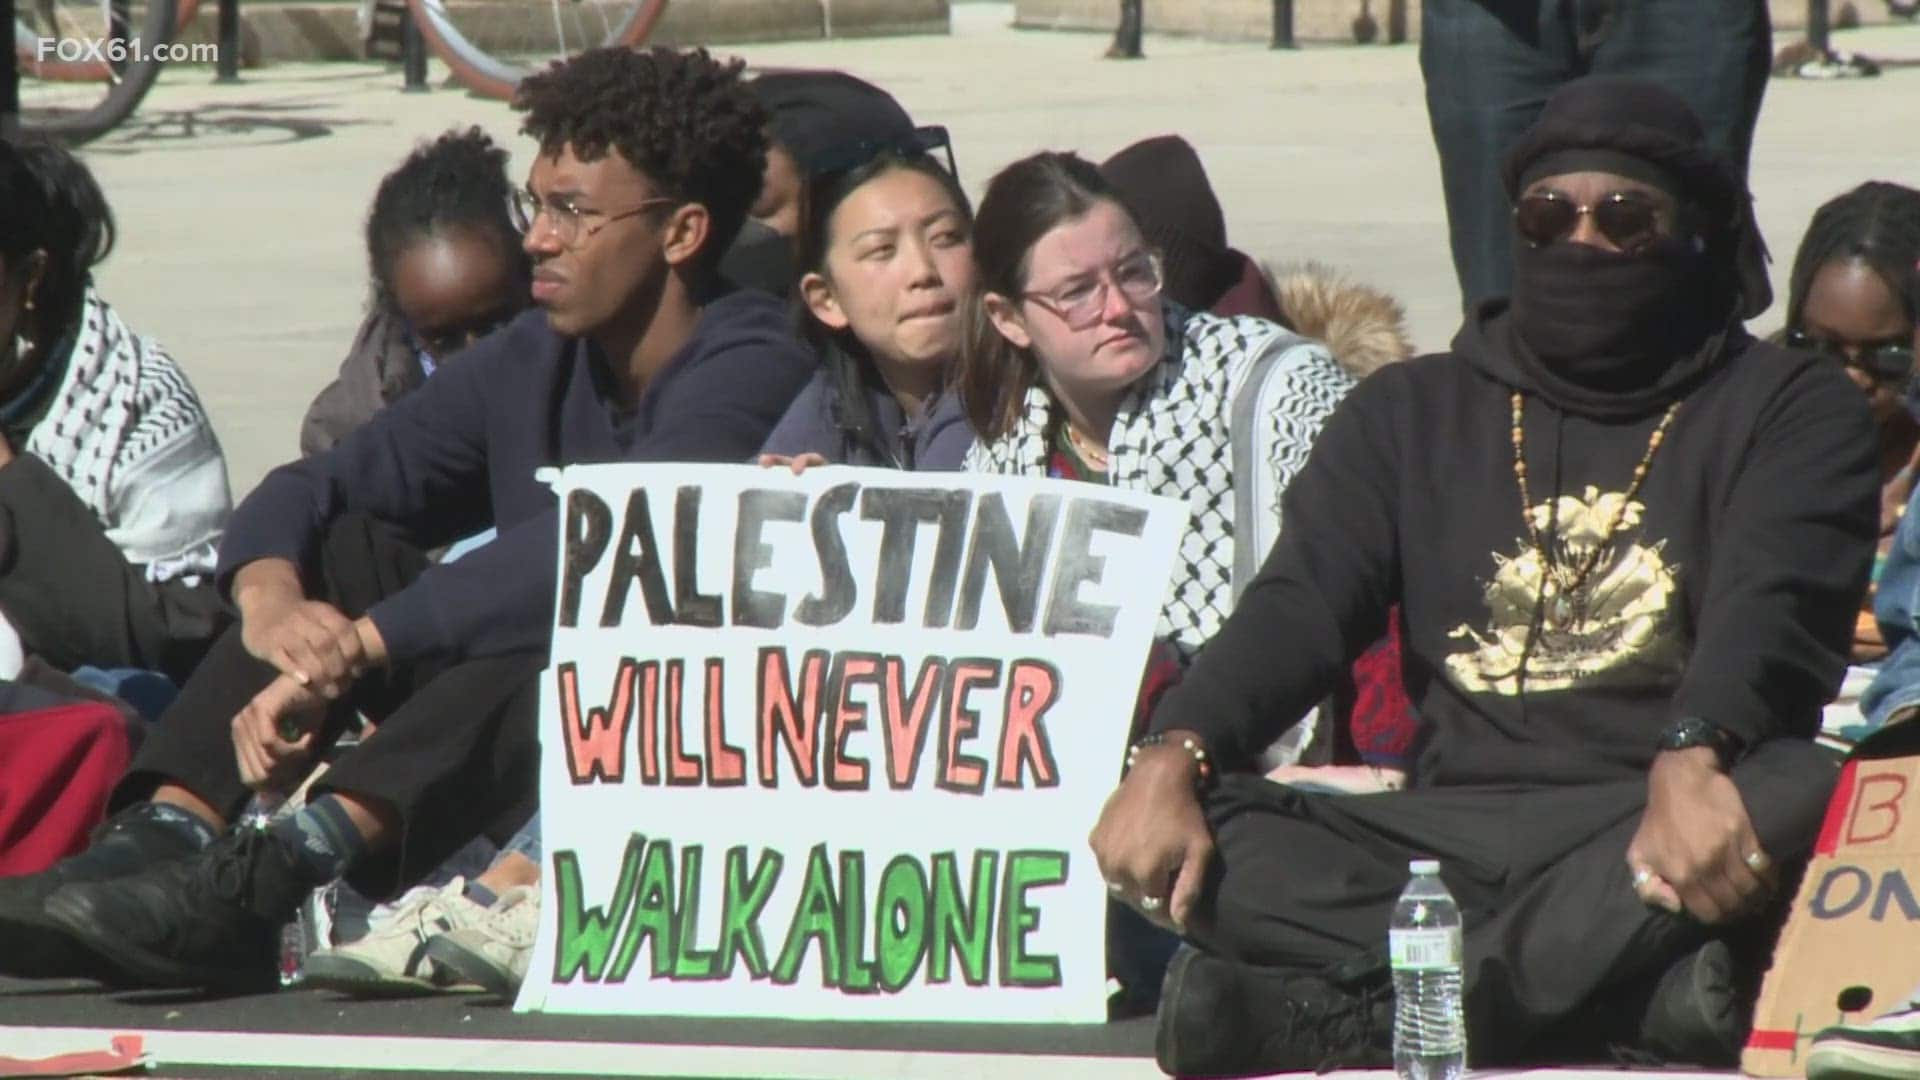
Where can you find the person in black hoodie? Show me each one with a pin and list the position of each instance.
(1628, 540)
(648, 163)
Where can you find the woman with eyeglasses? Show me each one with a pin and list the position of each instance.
(113, 489)
(446, 269)
(888, 262)
(1854, 299)
(1077, 366)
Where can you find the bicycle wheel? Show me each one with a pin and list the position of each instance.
(85, 64)
(492, 44)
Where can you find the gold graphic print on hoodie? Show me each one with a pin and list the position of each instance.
(1616, 630)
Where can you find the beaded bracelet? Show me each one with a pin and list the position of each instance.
(1187, 743)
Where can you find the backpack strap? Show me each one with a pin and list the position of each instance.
(1249, 434)
(1254, 531)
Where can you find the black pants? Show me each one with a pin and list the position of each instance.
(73, 596)
(456, 752)
(1490, 66)
(1552, 920)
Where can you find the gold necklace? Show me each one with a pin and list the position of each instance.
(1099, 459)
(1562, 609)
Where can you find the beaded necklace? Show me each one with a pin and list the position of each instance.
(1562, 607)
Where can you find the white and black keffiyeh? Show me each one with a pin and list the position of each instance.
(1173, 437)
(127, 433)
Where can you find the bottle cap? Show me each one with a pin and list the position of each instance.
(1424, 866)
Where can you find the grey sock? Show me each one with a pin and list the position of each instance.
(321, 839)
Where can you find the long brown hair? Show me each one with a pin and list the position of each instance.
(1024, 201)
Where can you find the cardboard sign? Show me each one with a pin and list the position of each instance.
(831, 745)
(1851, 947)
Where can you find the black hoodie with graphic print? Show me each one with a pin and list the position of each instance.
(1726, 590)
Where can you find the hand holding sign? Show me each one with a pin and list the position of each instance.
(799, 463)
(1151, 841)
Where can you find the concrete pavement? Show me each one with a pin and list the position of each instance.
(240, 207)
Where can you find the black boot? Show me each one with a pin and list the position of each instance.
(33, 946)
(209, 921)
(1700, 1010)
(1219, 1018)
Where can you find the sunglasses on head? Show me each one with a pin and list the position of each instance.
(849, 156)
(1884, 363)
(1628, 219)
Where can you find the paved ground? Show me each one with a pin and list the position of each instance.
(241, 206)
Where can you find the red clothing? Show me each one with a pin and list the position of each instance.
(1252, 295)
(1380, 719)
(57, 767)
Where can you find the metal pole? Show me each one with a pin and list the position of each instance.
(227, 64)
(1283, 25)
(1818, 26)
(9, 81)
(1126, 39)
(120, 29)
(413, 56)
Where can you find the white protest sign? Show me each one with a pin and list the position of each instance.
(831, 745)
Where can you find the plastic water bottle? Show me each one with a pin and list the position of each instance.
(1429, 1025)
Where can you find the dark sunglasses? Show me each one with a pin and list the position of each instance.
(1628, 219)
(1883, 363)
(849, 156)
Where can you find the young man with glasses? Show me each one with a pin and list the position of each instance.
(648, 163)
(1628, 541)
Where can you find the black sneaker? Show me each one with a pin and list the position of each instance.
(1219, 1018)
(210, 921)
(1699, 1013)
(33, 946)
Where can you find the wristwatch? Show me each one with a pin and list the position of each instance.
(1691, 731)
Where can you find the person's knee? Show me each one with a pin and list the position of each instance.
(1786, 785)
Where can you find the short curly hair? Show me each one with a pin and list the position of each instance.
(457, 181)
(684, 119)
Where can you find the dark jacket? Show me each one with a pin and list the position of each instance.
(936, 441)
(459, 454)
(1728, 592)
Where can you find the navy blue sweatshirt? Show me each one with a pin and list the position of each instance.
(459, 454)
(937, 441)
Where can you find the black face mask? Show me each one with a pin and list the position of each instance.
(1606, 320)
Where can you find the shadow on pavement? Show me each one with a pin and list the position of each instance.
(222, 125)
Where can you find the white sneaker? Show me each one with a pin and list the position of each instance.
(495, 950)
(1884, 1049)
(392, 959)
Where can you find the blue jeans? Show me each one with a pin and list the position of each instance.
(1490, 66)
(527, 841)
(1896, 605)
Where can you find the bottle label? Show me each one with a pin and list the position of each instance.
(1424, 950)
